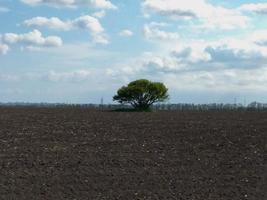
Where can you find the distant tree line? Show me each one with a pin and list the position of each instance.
(211, 106)
(162, 106)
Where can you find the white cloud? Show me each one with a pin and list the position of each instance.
(202, 64)
(34, 38)
(4, 9)
(99, 14)
(78, 75)
(103, 4)
(53, 23)
(259, 8)
(235, 58)
(223, 80)
(223, 18)
(200, 11)
(152, 31)
(53, 76)
(242, 53)
(92, 24)
(86, 22)
(147, 64)
(172, 8)
(245, 49)
(126, 33)
(225, 76)
(191, 54)
(3, 48)
(160, 63)
(195, 78)
(260, 37)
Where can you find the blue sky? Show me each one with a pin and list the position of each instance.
(77, 51)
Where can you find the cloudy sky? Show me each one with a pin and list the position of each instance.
(77, 51)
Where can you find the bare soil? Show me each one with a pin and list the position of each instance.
(72, 153)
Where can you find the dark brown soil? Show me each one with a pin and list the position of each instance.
(71, 153)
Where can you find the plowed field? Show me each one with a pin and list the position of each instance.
(72, 153)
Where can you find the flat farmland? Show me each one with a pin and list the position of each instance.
(74, 153)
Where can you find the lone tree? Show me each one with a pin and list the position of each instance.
(141, 94)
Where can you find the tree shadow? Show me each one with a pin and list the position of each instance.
(132, 110)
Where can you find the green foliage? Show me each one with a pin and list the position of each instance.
(141, 94)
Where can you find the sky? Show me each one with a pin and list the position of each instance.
(78, 51)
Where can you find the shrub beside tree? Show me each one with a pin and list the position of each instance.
(141, 94)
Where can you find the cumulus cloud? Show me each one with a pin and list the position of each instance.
(223, 80)
(194, 53)
(92, 24)
(245, 48)
(178, 58)
(103, 4)
(207, 62)
(126, 33)
(147, 64)
(86, 22)
(53, 23)
(224, 53)
(215, 66)
(156, 63)
(235, 58)
(34, 38)
(208, 15)
(259, 8)
(154, 31)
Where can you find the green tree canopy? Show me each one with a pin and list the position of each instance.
(141, 94)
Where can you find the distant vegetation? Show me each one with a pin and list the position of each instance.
(142, 94)
(256, 106)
